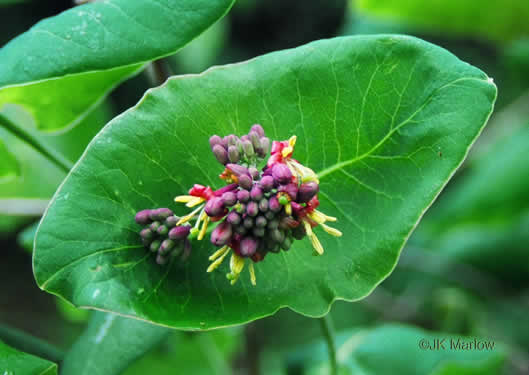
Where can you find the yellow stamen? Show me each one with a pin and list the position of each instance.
(252, 274)
(292, 141)
(204, 228)
(288, 209)
(194, 201)
(183, 198)
(307, 226)
(219, 252)
(217, 263)
(189, 216)
(316, 244)
(317, 216)
(332, 231)
(236, 266)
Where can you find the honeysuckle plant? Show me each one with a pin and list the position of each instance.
(288, 181)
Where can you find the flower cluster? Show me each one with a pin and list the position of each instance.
(264, 207)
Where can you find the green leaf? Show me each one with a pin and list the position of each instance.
(9, 168)
(89, 49)
(110, 344)
(372, 114)
(490, 20)
(27, 236)
(13, 362)
(484, 220)
(397, 350)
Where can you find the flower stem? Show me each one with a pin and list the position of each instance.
(328, 333)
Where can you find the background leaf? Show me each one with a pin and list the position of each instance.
(89, 49)
(14, 362)
(490, 20)
(110, 344)
(384, 120)
(9, 167)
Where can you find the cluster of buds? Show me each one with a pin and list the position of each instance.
(162, 234)
(264, 207)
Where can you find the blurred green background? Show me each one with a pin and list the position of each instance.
(465, 271)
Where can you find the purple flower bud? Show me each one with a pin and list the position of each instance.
(256, 193)
(171, 221)
(245, 182)
(161, 260)
(248, 222)
(265, 146)
(254, 172)
(220, 154)
(230, 187)
(154, 226)
(307, 191)
(233, 218)
(221, 235)
(298, 232)
(272, 224)
(258, 129)
(160, 214)
(243, 196)
(281, 173)
(215, 140)
(248, 148)
(162, 230)
(267, 183)
(240, 229)
(248, 246)
(180, 232)
(187, 250)
(288, 222)
(155, 245)
(146, 233)
(233, 154)
(232, 140)
(166, 246)
(260, 221)
(290, 189)
(277, 235)
(229, 198)
(263, 205)
(238, 170)
(245, 137)
(143, 217)
(258, 231)
(252, 208)
(269, 215)
(215, 207)
(225, 140)
(273, 204)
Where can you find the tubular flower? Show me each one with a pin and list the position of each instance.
(266, 205)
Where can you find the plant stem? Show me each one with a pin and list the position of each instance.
(27, 137)
(29, 344)
(328, 333)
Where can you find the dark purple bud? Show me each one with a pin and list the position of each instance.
(221, 235)
(247, 222)
(232, 140)
(288, 222)
(274, 205)
(161, 260)
(274, 248)
(240, 229)
(269, 215)
(225, 140)
(258, 129)
(258, 232)
(162, 230)
(290, 189)
(146, 234)
(233, 154)
(273, 224)
(285, 245)
(166, 246)
(229, 198)
(298, 232)
(252, 208)
(263, 205)
(256, 193)
(245, 182)
(238, 170)
(143, 217)
(180, 232)
(267, 183)
(243, 196)
(254, 172)
(154, 226)
(255, 138)
(230, 187)
(215, 140)
(277, 235)
(260, 221)
(160, 214)
(233, 218)
(265, 146)
(281, 173)
(307, 191)
(220, 154)
(171, 221)
(248, 246)
(215, 207)
(155, 245)
(247, 148)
